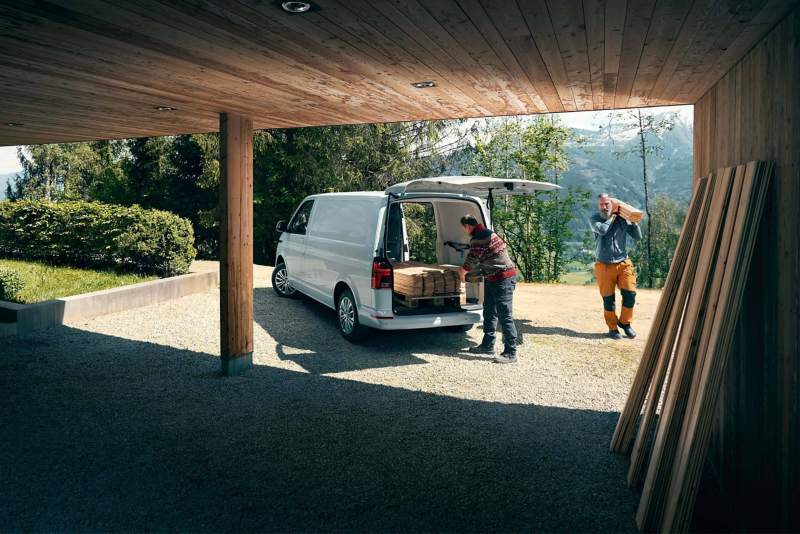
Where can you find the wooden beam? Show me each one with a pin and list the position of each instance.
(236, 241)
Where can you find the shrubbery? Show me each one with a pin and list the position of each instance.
(90, 233)
(11, 283)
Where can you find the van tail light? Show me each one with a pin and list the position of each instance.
(381, 274)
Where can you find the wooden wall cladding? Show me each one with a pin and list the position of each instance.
(753, 113)
(98, 69)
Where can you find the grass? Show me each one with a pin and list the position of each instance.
(46, 282)
(576, 275)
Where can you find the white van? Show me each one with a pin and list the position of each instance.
(338, 249)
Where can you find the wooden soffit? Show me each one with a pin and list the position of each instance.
(99, 69)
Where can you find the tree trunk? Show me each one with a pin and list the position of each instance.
(646, 205)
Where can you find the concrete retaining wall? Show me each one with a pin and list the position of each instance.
(29, 317)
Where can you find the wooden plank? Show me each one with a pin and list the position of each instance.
(166, 34)
(540, 26)
(417, 43)
(651, 506)
(614, 30)
(658, 353)
(570, 28)
(595, 14)
(544, 94)
(637, 21)
(771, 13)
(668, 17)
(236, 236)
(707, 381)
(507, 18)
(746, 12)
(711, 29)
(461, 35)
(692, 24)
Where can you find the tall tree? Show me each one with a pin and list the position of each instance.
(649, 132)
(49, 172)
(536, 227)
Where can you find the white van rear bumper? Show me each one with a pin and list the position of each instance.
(408, 322)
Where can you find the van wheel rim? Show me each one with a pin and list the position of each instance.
(347, 316)
(282, 281)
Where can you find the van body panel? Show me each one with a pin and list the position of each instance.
(339, 245)
(346, 231)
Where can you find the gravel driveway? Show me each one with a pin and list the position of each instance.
(122, 422)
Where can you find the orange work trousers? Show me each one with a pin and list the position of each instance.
(609, 277)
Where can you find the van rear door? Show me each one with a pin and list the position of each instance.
(475, 186)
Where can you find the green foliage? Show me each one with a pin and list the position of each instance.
(45, 282)
(91, 233)
(421, 229)
(667, 216)
(157, 241)
(649, 133)
(11, 283)
(536, 227)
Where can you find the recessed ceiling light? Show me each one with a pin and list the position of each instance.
(13, 124)
(165, 108)
(295, 7)
(422, 85)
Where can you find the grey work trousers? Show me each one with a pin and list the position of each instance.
(498, 305)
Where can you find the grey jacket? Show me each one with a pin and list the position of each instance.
(610, 238)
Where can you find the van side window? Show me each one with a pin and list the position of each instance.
(301, 219)
(346, 221)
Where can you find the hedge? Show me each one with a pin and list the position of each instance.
(91, 233)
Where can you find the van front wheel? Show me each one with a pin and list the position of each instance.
(350, 327)
(280, 282)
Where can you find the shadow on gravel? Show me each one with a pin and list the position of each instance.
(308, 334)
(525, 327)
(102, 433)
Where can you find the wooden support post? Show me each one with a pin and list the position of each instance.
(236, 241)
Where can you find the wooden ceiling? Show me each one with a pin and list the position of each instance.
(97, 69)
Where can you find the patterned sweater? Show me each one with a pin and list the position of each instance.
(488, 251)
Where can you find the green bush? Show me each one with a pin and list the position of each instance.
(11, 283)
(91, 233)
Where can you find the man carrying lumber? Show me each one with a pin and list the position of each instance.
(488, 255)
(613, 268)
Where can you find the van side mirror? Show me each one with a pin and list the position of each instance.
(281, 226)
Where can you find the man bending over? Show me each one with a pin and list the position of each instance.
(487, 253)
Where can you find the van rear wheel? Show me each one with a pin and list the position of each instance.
(350, 327)
(280, 282)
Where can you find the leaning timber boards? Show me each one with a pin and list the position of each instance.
(676, 307)
(689, 384)
(633, 404)
(652, 501)
(698, 423)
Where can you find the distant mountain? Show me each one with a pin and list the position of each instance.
(603, 172)
(5, 179)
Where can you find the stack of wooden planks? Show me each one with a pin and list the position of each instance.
(417, 279)
(684, 360)
(626, 211)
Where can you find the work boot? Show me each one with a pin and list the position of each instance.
(614, 334)
(506, 357)
(481, 349)
(628, 330)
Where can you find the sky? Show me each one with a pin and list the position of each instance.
(585, 120)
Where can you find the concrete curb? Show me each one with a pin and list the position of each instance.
(28, 317)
